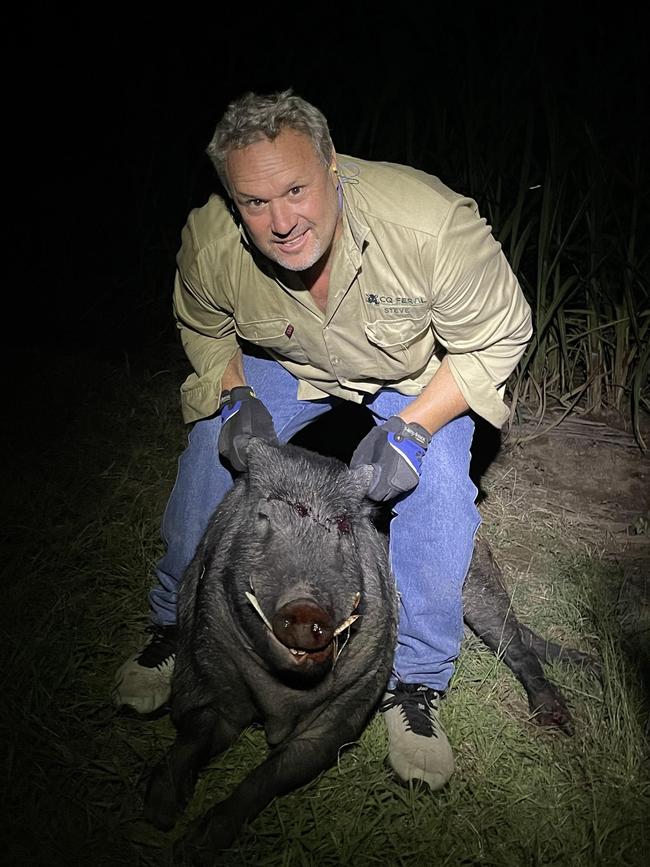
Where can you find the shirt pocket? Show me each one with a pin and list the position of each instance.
(403, 346)
(276, 335)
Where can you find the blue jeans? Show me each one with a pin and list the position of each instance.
(431, 532)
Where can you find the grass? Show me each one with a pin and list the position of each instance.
(81, 541)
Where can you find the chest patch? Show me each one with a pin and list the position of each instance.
(396, 305)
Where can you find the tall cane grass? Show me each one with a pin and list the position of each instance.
(568, 202)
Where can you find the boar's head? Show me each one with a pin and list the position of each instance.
(306, 522)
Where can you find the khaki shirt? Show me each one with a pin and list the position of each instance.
(416, 273)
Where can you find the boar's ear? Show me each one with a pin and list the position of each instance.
(260, 454)
(361, 479)
(269, 516)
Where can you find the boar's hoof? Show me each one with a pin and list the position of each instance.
(185, 852)
(302, 625)
(204, 838)
(550, 710)
(161, 807)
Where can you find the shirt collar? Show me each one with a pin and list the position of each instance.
(355, 230)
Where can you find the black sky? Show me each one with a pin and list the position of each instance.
(114, 112)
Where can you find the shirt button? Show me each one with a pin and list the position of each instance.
(335, 359)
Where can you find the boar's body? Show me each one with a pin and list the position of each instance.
(287, 616)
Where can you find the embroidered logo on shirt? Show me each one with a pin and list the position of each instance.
(398, 305)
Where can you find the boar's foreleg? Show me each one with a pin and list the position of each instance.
(488, 612)
(202, 733)
(292, 764)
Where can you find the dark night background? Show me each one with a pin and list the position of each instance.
(108, 110)
(114, 113)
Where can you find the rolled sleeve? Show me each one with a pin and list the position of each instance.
(479, 312)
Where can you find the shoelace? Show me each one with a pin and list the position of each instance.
(417, 706)
(161, 647)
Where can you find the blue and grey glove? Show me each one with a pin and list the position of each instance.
(242, 416)
(395, 450)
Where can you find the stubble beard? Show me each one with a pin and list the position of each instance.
(298, 263)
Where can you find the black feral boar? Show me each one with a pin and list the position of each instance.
(287, 617)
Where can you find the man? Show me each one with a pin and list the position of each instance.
(341, 279)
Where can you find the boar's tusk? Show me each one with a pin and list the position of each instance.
(346, 624)
(339, 650)
(256, 605)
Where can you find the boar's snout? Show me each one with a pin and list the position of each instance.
(302, 624)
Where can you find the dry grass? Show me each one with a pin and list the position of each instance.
(82, 540)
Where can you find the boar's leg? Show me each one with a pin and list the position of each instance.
(202, 733)
(550, 652)
(488, 612)
(292, 764)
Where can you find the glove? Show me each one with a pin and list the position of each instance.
(242, 416)
(395, 451)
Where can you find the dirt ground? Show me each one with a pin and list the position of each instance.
(594, 474)
(592, 480)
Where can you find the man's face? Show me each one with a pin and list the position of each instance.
(287, 199)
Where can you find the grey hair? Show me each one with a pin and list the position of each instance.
(254, 117)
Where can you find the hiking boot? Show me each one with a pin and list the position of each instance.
(143, 683)
(418, 746)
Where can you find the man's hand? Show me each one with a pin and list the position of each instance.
(242, 416)
(394, 450)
